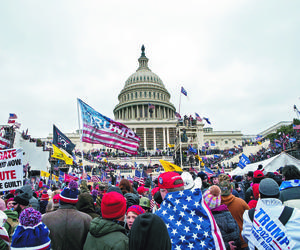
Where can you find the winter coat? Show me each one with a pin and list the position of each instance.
(290, 197)
(10, 226)
(227, 225)
(106, 235)
(68, 227)
(86, 205)
(236, 206)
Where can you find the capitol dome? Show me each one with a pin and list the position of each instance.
(144, 96)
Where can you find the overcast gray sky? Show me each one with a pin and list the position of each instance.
(238, 60)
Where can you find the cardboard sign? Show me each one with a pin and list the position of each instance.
(11, 169)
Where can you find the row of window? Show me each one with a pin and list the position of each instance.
(226, 142)
(145, 78)
(135, 95)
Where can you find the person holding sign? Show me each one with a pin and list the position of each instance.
(271, 225)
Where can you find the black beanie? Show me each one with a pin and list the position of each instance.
(23, 195)
(149, 232)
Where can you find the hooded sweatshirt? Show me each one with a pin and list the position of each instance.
(149, 232)
(86, 205)
(106, 234)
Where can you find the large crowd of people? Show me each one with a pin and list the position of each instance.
(177, 210)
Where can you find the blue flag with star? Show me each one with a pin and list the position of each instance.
(189, 221)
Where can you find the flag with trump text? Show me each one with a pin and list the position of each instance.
(189, 221)
(62, 141)
(99, 129)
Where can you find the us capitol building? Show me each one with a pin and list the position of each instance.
(144, 106)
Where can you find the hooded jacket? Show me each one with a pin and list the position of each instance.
(86, 205)
(237, 207)
(106, 235)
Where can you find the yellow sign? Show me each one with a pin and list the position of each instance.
(170, 167)
(171, 145)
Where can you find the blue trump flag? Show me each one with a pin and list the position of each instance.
(183, 91)
(244, 160)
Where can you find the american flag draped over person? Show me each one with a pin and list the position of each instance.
(189, 221)
(99, 129)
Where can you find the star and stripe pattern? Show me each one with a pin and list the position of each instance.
(189, 221)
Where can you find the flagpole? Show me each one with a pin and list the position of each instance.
(179, 101)
(80, 131)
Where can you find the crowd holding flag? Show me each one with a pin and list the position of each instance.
(208, 171)
(99, 129)
(244, 160)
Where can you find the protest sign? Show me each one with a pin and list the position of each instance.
(11, 169)
(267, 231)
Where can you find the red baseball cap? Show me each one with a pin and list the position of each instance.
(258, 174)
(169, 180)
(142, 189)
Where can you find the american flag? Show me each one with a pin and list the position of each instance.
(198, 117)
(95, 178)
(208, 171)
(4, 143)
(151, 106)
(12, 116)
(99, 129)
(138, 177)
(189, 221)
(178, 115)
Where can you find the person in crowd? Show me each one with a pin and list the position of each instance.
(44, 201)
(131, 199)
(142, 191)
(235, 205)
(279, 223)
(188, 220)
(204, 178)
(149, 232)
(214, 180)
(34, 201)
(10, 203)
(4, 237)
(84, 187)
(53, 204)
(252, 192)
(248, 181)
(31, 233)
(125, 186)
(227, 224)
(108, 232)
(86, 205)
(131, 214)
(290, 187)
(145, 204)
(22, 197)
(68, 226)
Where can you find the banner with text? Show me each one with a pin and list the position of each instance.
(11, 169)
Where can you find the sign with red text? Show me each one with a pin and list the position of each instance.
(11, 169)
